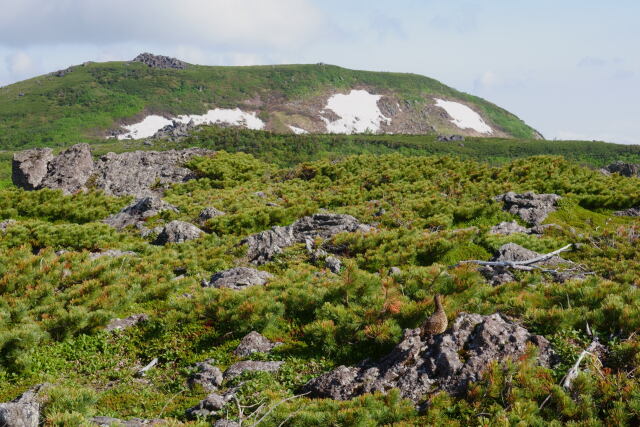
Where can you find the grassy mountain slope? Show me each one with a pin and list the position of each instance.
(53, 306)
(94, 97)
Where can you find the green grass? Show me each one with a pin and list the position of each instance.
(82, 105)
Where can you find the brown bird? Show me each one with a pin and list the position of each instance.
(437, 322)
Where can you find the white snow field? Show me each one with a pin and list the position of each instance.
(152, 124)
(146, 128)
(463, 116)
(297, 131)
(358, 112)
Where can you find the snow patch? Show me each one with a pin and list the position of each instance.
(297, 131)
(146, 128)
(153, 123)
(358, 112)
(463, 116)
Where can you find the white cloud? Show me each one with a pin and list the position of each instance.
(207, 23)
(20, 63)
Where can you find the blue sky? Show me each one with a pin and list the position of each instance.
(569, 68)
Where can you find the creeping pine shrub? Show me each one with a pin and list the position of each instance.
(223, 169)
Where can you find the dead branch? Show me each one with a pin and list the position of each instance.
(142, 372)
(575, 369)
(520, 265)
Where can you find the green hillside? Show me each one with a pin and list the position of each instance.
(92, 98)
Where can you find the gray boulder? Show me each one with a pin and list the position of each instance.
(333, 264)
(207, 375)
(226, 423)
(159, 61)
(208, 213)
(622, 168)
(507, 228)
(70, 170)
(254, 342)
(238, 278)
(175, 131)
(127, 322)
(30, 167)
(239, 368)
(178, 232)
(629, 212)
(137, 212)
(133, 422)
(265, 245)
(449, 362)
(531, 207)
(208, 406)
(24, 411)
(6, 224)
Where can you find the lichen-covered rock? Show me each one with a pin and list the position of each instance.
(629, 212)
(70, 170)
(226, 423)
(178, 232)
(237, 278)
(133, 422)
(144, 173)
(207, 375)
(6, 224)
(111, 253)
(127, 322)
(507, 228)
(159, 61)
(254, 342)
(622, 168)
(137, 212)
(30, 167)
(449, 361)
(531, 207)
(265, 245)
(333, 264)
(24, 411)
(208, 406)
(208, 213)
(251, 365)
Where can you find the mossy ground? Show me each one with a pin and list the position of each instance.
(438, 210)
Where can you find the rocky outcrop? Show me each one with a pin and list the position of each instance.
(254, 342)
(507, 228)
(137, 173)
(144, 173)
(70, 170)
(24, 411)
(127, 322)
(207, 376)
(136, 213)
(175, 131)
(208, 213)
(450, 361)
(239, 368)
(237, 278)
(531, 207)
(265, 245)
(6, 224)
(629, 212)
(497, 275)
(333, 264)
(622, 168)
(226, 423)
(30, 167)
(450, 138)
(133, 422)
(209, 406)
(159, 61)
(178, 232)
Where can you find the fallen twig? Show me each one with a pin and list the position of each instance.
(151, 364)
(520, 265)
(575, 369)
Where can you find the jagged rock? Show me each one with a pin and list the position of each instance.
(138, 212)
(254, 342)
(624, 169)
(237, 278)
(208, 406)
(226, 423)
(159, 61)
(70, 170)
(137, 173)
(175, 131)
(265, 245)
(450, 138)
(144, 173)
(333, 264)
(395, 271)
(532, 208)
(116, 422)
(178, 232)
(208, 213)
(111, 253)
(127, 322)
(507, 228)
(251, 365)
(6, 224)
(208, 376)
(629, 212)
(449, 361)
(30, 167)
(23, 411)
(497, 275)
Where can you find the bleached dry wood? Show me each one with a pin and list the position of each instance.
(575, 369)
(151, 364)
(520, 265)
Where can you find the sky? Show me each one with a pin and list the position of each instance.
(569, 68)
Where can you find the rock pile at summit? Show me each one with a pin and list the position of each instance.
(137, 173)
(159, 61)
(449, 361)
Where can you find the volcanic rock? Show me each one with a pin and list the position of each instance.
(133, 422)
(237, 278)
(208, 213)
(138, 212)
(23, 411)
(127, 322)
(30, 167)
(450, 361)
(159, 61)
(208, 376)
(254, 342)
(624, 169)
(70, 170)
(177, 232)
(532, 208)
(251, 365)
